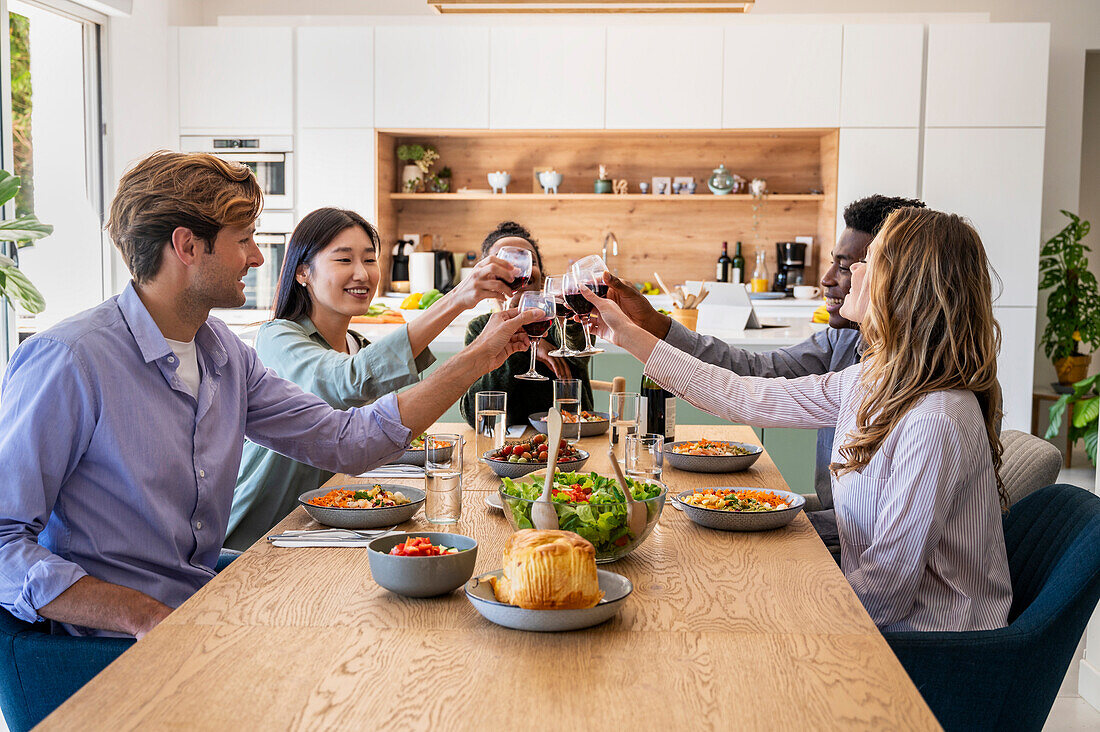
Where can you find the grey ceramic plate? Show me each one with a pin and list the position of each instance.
(615, 588)
(416, 456)
(712, 518)
(767, 295)
(422, 576)
(505, 469)
(363, 518)
(588, 429)
(493, 501)
(713, 463)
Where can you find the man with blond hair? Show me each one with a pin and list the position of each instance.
(124, 425)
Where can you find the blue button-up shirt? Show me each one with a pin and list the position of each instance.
(112, 468)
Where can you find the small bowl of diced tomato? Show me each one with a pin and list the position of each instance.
(422, 563)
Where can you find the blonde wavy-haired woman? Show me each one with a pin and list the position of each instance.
(915, 475)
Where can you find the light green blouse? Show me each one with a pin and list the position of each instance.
(268, 484)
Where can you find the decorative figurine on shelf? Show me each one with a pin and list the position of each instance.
(499, 181)
(758, 187)
(683, 184)
(662, 185)
(643, 187)
(720, 182)
(550, 180)
(620, 186)
(603, 183)
(740, 185)
(691, 188)
(676, 186)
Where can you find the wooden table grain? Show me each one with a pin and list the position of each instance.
(723, 630)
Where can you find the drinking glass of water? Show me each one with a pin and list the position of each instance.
(490, 421)
(567, 400)
(443, 470)
(625, 414)
(645, 456)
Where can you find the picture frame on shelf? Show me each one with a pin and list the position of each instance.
(686, 183)
(662, 185)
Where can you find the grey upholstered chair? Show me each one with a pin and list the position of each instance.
(1029, 463)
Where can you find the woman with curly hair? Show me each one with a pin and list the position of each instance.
(915, 463)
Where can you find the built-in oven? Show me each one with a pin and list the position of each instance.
(269, 157)
(272, 234)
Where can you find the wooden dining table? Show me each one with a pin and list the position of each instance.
(723, 630)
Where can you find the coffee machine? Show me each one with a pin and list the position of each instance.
(790, 257)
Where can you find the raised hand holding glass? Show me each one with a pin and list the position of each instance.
(537, 329)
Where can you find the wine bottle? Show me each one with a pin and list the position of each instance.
(724, 261)
(737, 274)
(660, 409)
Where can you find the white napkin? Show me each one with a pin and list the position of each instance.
(516, 430)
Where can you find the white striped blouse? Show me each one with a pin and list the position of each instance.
(920, 526)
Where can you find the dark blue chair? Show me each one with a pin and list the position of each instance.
(39, 670)
(1007, 679)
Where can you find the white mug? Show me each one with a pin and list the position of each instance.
(806, 292)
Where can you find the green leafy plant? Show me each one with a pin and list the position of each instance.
(1073, 307)
(423, 156)
(22, 231)
(1086, 414)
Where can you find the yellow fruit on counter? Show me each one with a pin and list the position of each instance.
(821, 315)
(412, 302)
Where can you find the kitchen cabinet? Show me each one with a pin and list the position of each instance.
(781, 76)
(236, 80)
(336, 168)
(1016, 364)
(987, 75)
(881, 77)
(994, 177)
(873, 161)
(664, 78)
(547, 78)
(335, 77)
(431, 77)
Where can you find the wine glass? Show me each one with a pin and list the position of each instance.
(593, 263)
(553, 288)
(537, 329)
(572, 284)
(520, 259)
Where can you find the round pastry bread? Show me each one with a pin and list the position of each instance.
(548, 570)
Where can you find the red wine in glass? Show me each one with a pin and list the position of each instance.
(538, 328)
(578, 303)
(600, 288)
(562, 310)
(517, 284)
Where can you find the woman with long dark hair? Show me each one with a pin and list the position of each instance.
(329, 276)
(916, 458)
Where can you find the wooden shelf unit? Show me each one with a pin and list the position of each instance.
(679, 235)
(604, 197)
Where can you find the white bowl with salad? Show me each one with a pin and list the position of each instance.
(587, 504)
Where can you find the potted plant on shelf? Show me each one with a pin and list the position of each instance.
(441, 182)
(21, 231)
(1085, 400)
(418, 161)
(1073, 306)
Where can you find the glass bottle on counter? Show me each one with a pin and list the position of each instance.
(724, 262)
(760, 274)
(737, 269)
(660, 410)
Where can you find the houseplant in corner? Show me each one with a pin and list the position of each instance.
(1073, 306)
(21, 231)
(1086, 414)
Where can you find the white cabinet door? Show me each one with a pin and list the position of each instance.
(649, 84)
(1016, 365)
(335, 77)
(547, 78)
(880, 84)
(994, 177)
(987, 75)
(431, 77)
(236, 80)
(876, 161)
(336, 168)
(782, 76)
